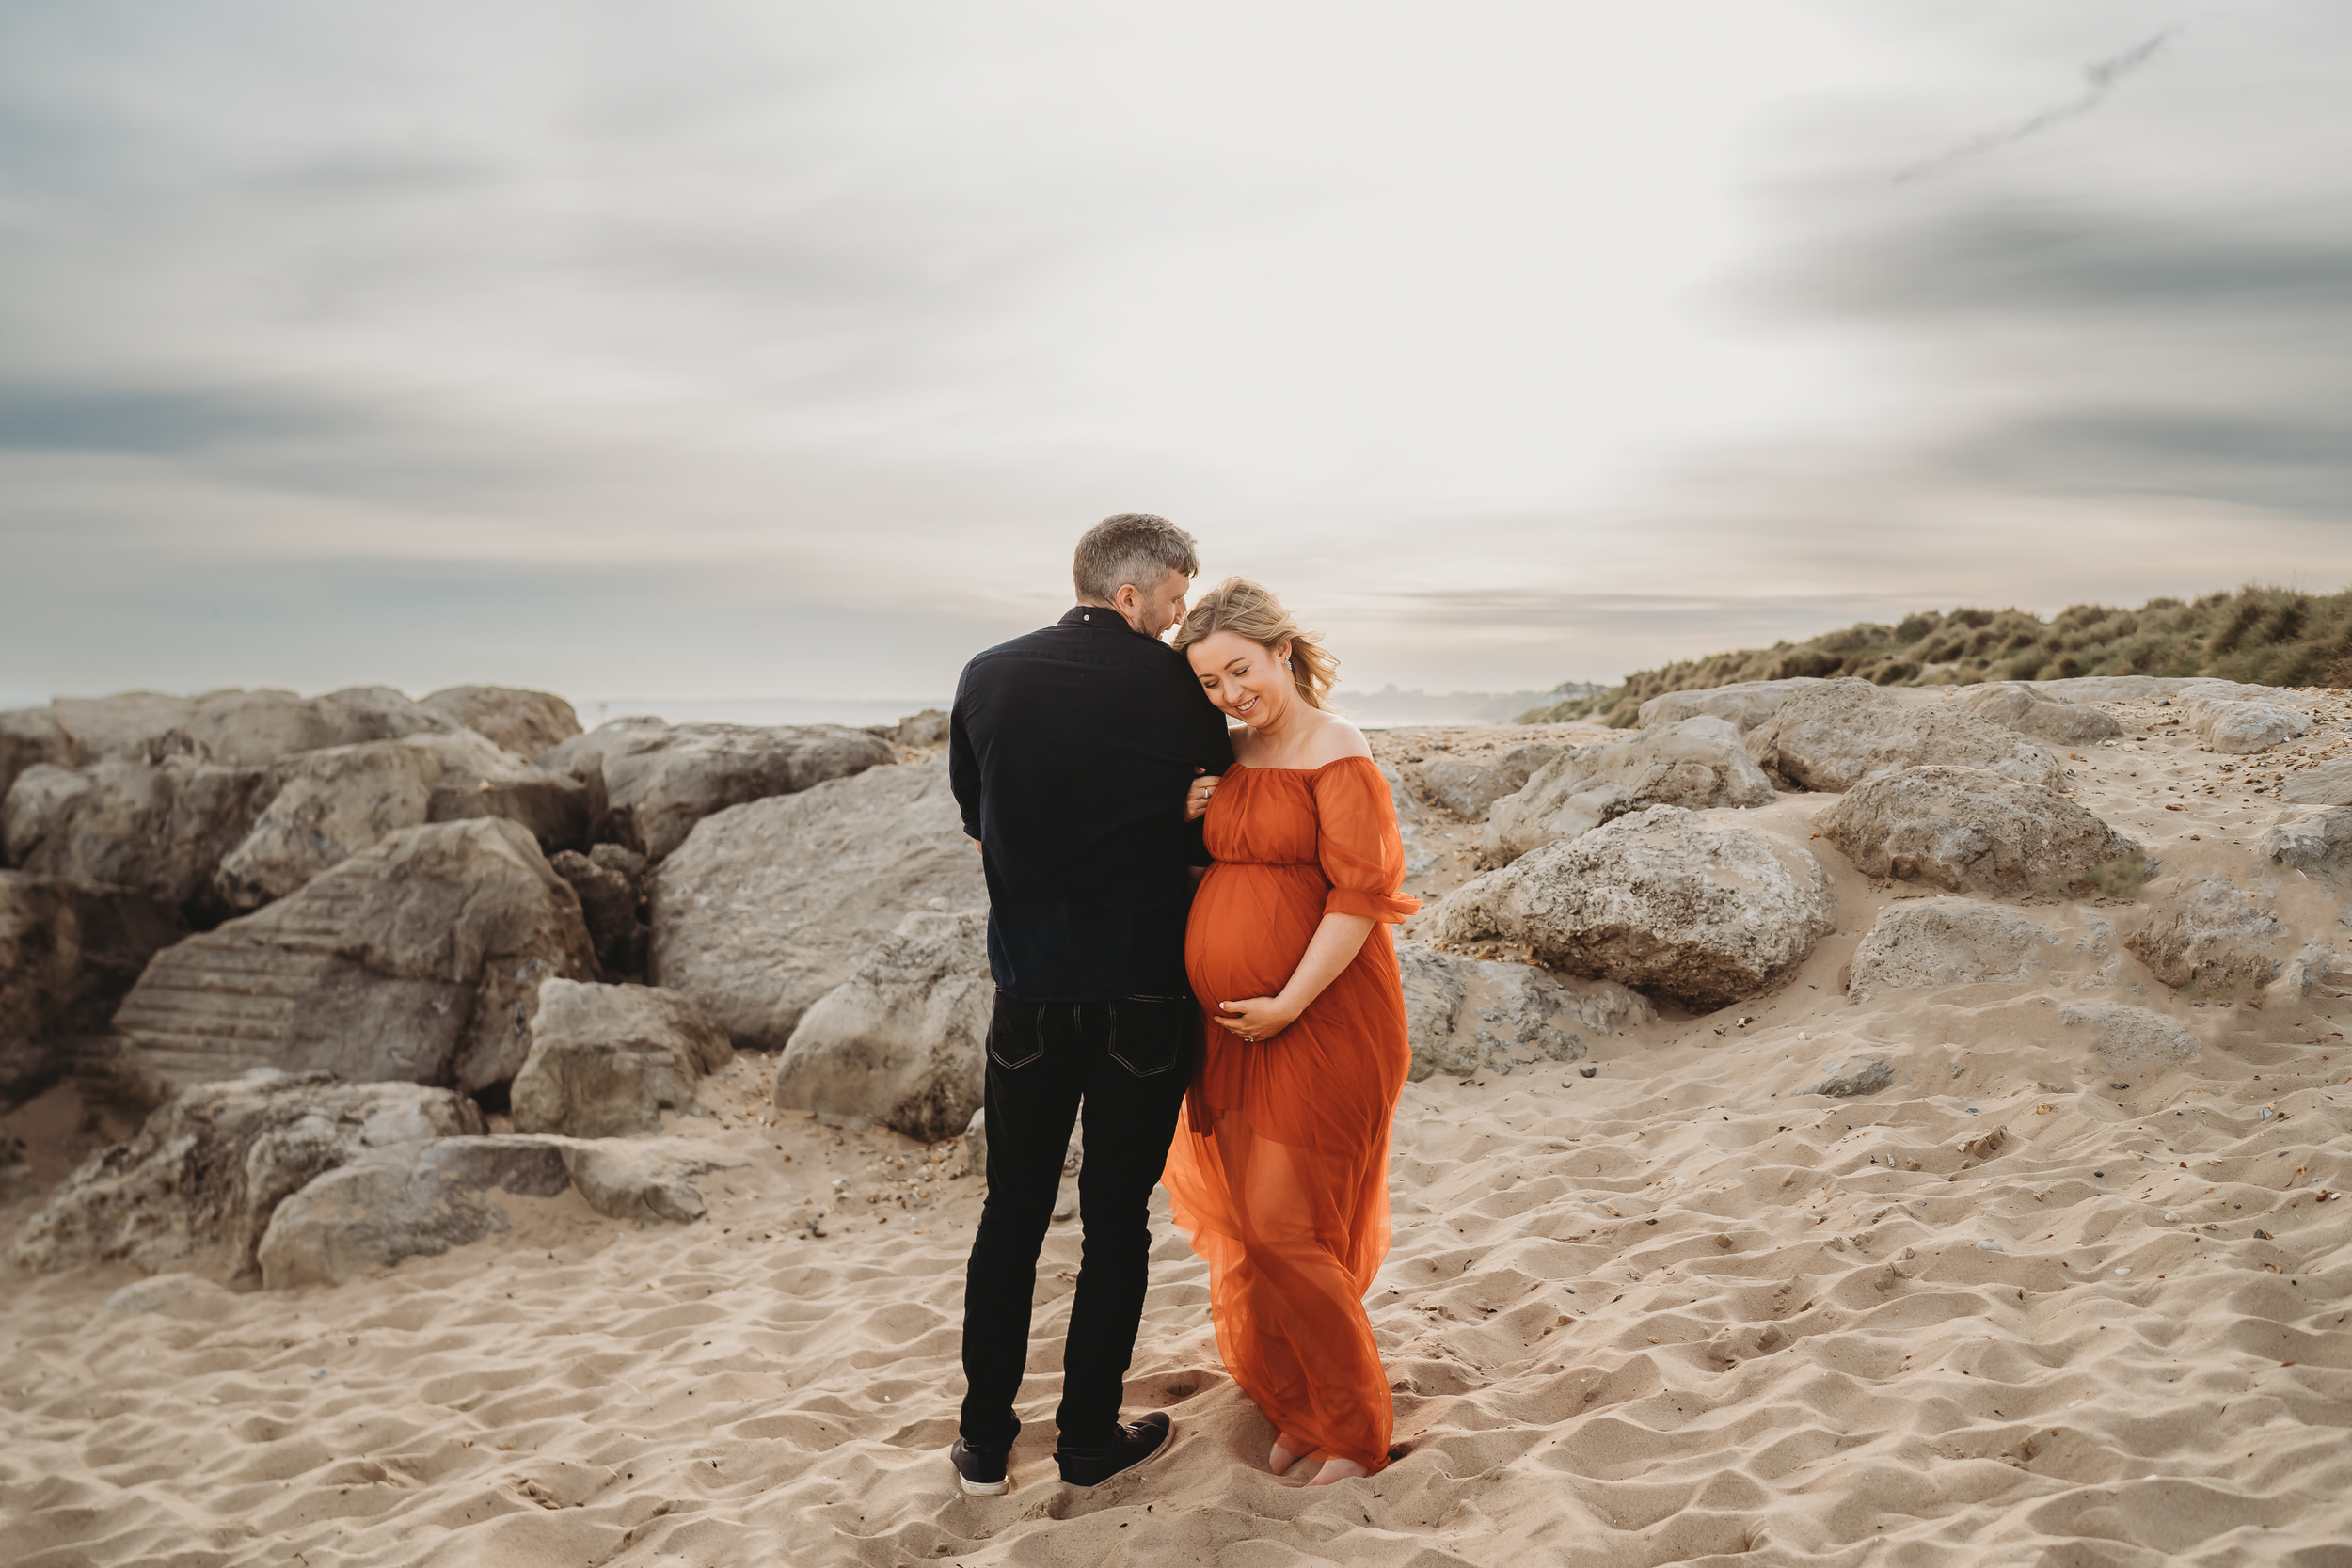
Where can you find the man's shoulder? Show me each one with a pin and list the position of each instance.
(1082, 648)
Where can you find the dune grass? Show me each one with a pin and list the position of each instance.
(2269, 636)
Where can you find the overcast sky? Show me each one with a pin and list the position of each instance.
(721, 350)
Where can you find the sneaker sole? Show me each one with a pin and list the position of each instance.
(983, 1488)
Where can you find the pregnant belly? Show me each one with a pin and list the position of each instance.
(1250, 926)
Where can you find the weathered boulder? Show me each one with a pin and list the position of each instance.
(1466, 1016)
(1418, 858)
(652, 782)
(372, 1213)
(196, 1187)
(238, 728)
(636, 1181)
(903, 1042)
(420, 960)
(160, 828)
(1744, 706)
(771, 905)
(2126, 1036)
(2208, 939)
(1468, 786)
(917, 731)
(610, 880)
(2318, 844)
(2022, 706)
(1947, 941)
(1695, 761)
(33, 735)
(2242, 727)
(330, 804)
(2327, 784)
(607, 1060)
(1663, 900)
(1849, 1077)
(69, 953)
(520, 721)
(1967, 829)
(1837, 734)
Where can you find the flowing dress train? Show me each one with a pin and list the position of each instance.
(1279, 1169)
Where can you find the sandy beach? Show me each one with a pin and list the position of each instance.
(2015, 1307)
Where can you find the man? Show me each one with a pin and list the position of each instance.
(1071, 751)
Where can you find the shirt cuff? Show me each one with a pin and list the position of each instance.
(1373, 906)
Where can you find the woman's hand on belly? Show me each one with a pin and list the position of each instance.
(1256, 1018)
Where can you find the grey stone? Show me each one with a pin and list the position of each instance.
(650, 783)
(195, 1188)
(1967, 829)
(69, 953)
(975, 1145)
(159, 828)
(2327, 784)
(1743, 706)
(523, 722)
(2318, 844)
(238, 728)
(1468, 786)
(1848, 1077)
(1663, 900)
(1467, 1016)
(607, 1060)
(610, 883)
(1840, 734)
(372, 1214)
(2241, 727)
(917, 731)
(637, 1181)
(420, 958)
(773, 904)
(2130, 1036)
(2207, 939)
(903, 1042)
(2023, 706)
(1928, 943)
(1696, 763)
(30, 736)
(1419, 860)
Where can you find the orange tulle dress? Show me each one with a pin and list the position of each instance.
(1280, 1171)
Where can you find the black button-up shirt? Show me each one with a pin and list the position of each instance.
(1070, 750)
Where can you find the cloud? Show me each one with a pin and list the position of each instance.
(2100, 77)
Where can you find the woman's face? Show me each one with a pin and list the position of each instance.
(1246, 679)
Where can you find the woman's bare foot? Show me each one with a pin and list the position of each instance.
(1287, 1451)
(1338, 1469)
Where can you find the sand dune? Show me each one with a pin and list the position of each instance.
(2011, 1310)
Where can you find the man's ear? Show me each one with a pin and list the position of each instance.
(1128, 600)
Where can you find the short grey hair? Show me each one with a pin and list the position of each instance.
(1133, 547)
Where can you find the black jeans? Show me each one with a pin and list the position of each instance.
(1129, 1062)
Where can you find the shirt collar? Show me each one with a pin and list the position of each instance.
(1102, 616)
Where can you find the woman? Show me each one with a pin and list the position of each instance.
(1279, 1170)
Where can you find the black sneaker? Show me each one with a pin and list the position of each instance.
(1136, 1442)
(981, 1471)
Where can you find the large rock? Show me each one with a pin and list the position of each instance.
(773, 904)
(636, 1181)
(1837, 734)
(608, 1060)
(1744, 706)
(903, 1042)
(1928, 943)
(195, 1188)
(2240, 727)
(1851, 1077)
(2126, 1037)
(2318, 844)
(1663, 900)
(237, 728)
(69, 953)
(420, 960)
(1966, 829)
(1696, 763)
(330, 804)
(610, 880)
(2327, 784)
(160, 828)
(2208, 939)
(2022, 706)
(1419, 860)
(651, 782)
(372, 1213)
(1467, 1016)
(524, 723)
(1467, 785)
(33, 735)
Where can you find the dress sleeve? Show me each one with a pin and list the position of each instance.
(1357, 844)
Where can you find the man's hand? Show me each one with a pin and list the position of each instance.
(978, 850)
(1259, 1018)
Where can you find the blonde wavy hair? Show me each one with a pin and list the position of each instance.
(1250, 609)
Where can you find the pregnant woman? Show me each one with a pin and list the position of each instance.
(1279, 1170)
